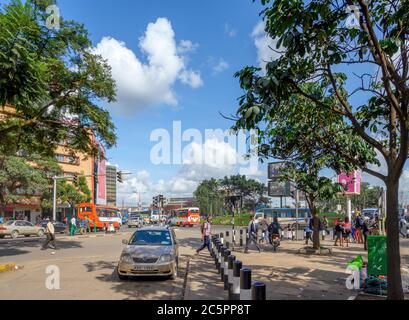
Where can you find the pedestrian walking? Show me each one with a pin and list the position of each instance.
(358, 228)
(338, 230)
(308, 230)
(403, 227)
(347, 231)
(252, 231)
(73, 230)
(206, 233)
(50, 234)
(264, 231)
(365, 232)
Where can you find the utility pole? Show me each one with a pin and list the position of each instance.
(297, 198)
(55, 199)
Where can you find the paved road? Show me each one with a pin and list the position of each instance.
(87, 269)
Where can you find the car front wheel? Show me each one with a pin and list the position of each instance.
(14, 234)
(40, 233)
(175, 272)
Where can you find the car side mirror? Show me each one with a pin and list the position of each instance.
(125, 242)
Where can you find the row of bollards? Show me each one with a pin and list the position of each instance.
(236, 279)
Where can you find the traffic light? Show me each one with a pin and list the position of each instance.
(75, 179)
(119, 177)
(155, 202)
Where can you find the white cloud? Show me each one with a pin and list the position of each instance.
(186, 46)
(214, 158)
(143, 84)
(264, 45)
(229, 30)
(191, 78)
(220, 67)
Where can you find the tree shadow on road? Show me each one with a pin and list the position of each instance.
(20, 248)
(140, 288)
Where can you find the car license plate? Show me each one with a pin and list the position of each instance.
(143, 268)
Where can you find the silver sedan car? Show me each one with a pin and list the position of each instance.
(20, 228)
(151, 251)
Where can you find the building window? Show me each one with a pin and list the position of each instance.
(60, 157)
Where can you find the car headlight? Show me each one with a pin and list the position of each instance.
(165, 258)
(127, 258)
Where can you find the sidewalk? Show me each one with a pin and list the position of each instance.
(288, 274)
(203, 281)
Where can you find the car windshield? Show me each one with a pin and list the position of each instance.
(9, 223)
(151, 237)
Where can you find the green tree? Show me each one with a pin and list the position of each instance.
(53, 82)
(22, 178)
(68, 193)
(362, 74)
(249, 192)
(208, 197)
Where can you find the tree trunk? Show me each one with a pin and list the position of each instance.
(395, 291)
(316, 222)
(316, 233)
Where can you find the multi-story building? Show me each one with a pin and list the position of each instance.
(111, 178)
(71, 163)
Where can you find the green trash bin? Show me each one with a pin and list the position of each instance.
(377, 256)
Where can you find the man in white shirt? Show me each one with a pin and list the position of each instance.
(50, 233)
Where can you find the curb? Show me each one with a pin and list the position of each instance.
(8, 267)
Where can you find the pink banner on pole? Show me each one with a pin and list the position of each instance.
(351, 182)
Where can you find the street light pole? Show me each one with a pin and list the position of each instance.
(296, 213)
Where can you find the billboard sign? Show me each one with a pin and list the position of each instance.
(275, 169)
(100, 181)
(351, 182)
(279, 189)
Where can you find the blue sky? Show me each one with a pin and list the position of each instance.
(220, 35)
(174, 61)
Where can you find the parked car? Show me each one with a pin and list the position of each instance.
(58, 226)
(135, 221)
(20, 228)
(151, 251)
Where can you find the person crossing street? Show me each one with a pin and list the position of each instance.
(206, 233)
(73, 230)
(50, 234)
(252, 237)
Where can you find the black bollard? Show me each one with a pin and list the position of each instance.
(258, 291)
(227, 253)
(222, 250)
(227, 235)
(219, 245)
(237, 266)
(231, 259)
(245, 284)
(222, 238)
(227, 244)
(241, 237)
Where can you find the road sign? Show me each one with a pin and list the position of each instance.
(279, 189)
(275, 169)
(351, 182)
